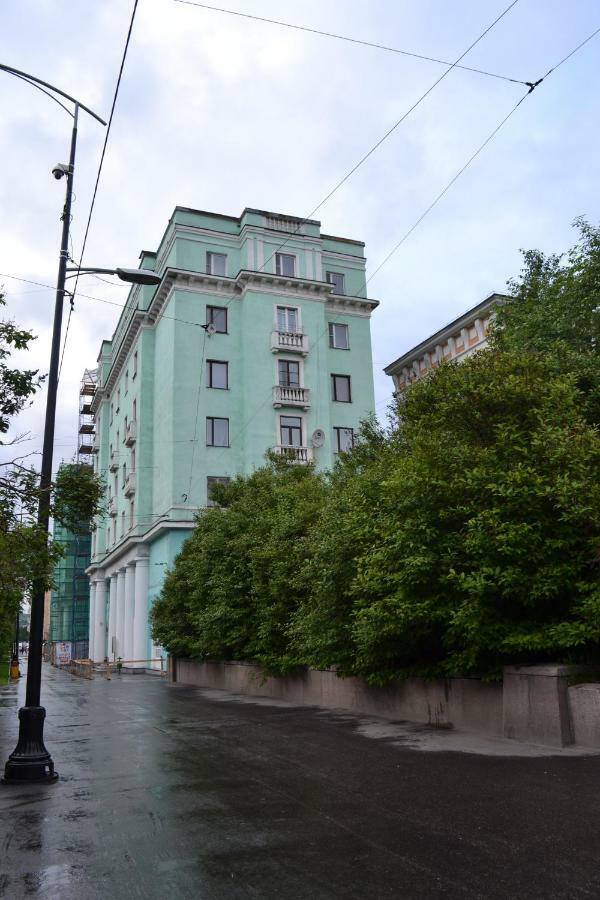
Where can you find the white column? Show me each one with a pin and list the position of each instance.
(128, 614)
(97, 648)
(112, 614)
(120, 611)
(140, 617)
(92, 622)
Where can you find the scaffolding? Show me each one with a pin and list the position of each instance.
(70, 596)
(86, 425)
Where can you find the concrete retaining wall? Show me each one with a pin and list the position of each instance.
(535, 704)
(464, 703)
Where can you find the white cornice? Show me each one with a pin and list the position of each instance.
(128, 549)
(245, 282)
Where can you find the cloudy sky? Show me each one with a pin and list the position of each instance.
(218, 112)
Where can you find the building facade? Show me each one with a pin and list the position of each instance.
(457, 340)
(256, 339)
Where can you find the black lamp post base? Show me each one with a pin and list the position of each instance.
(30, 762)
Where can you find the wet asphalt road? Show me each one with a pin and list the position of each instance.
(168, 792)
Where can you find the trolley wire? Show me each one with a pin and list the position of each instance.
(348, 39)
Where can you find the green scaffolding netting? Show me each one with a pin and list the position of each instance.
(70, 597)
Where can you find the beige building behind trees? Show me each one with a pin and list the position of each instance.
(457, 340)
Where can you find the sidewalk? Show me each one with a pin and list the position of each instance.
(175, 792)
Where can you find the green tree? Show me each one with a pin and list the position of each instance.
(487, 525)
(236, 581)
(555, 310)
(25, 554)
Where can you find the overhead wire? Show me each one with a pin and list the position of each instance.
(348, 39)
(389, 132)
(102, 155)
(471, 159)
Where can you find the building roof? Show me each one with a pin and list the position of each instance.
(463, 321)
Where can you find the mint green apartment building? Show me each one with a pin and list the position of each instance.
(256, 339)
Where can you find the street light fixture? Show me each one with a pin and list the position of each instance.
(133, 276)
(30, 762)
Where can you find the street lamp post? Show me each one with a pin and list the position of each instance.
(30, 761)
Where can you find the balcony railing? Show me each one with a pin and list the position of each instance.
(298, 455)
(291, 396)
(113, 463)
(289, 341)
(112, 507)
(131, 433)
(130, 483)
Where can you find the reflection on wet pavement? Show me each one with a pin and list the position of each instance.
(168, 792)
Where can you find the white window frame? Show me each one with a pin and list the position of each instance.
(278, 267)
(210, 254)
(331, 329)
(287, 307)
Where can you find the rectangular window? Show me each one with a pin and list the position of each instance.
(340, 388)
(338, 282)
(117, 442)
(285, 264)
(343, 439)
(217, 316)
(134, 411)
(291, 431)
(116, 491)
(122, 523)
(218, 375)
(216, 263)
(338, 336)
(108, 537)
(289, 373)
(132, 463)
(287, 318)
(118, 399)
(217, 432)
(126, 380)
(124, 473)
(112, 413)
(211, 482)
(134, 364)
(125, 428)
(131, 513)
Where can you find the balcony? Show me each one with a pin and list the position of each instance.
(289, 341)
(131, 433)
(295, 455)
(291, 396)
(113, 463)
(129, 489)
(112, 507)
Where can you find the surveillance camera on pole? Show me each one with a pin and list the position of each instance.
(60, 170)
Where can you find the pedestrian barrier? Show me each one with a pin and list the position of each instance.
(82, 667)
